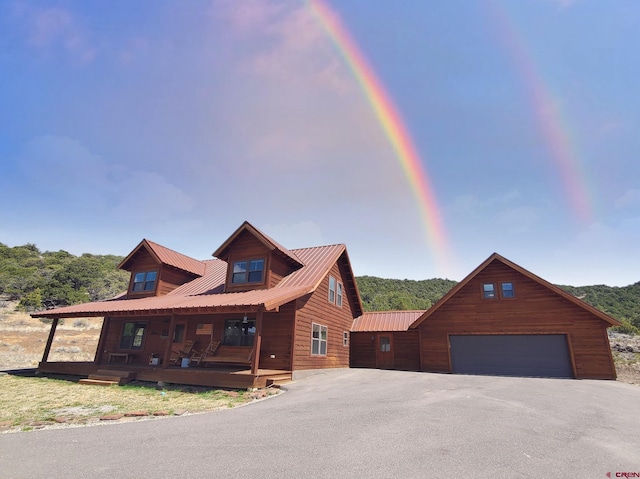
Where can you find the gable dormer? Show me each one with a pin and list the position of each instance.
(156, 270)
(254, 260)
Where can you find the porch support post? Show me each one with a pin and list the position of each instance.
(257, 342)
(106, 324)
(169, 346)
(52, 332)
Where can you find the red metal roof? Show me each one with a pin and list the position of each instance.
(385, 321)
(206, 292)
(166, 256)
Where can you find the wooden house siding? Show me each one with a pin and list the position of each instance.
(363, 350)
(405, 350)
(170, 279)
(316, 308)
(277, 338)
(278, 269)
(535, 309)
(406, 354)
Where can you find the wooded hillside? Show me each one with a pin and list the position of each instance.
(46, 279)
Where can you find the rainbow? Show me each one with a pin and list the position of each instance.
(549, 117)
(394, 129)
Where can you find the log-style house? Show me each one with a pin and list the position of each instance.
(259, 313)
(255, 314)
(499, 320)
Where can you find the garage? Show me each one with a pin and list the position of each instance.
(534, 355)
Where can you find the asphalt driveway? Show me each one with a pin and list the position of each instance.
(363, 423)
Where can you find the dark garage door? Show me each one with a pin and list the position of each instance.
(541, 355)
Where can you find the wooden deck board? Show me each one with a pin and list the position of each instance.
(227, 377)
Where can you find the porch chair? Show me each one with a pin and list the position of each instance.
(184, 352)
(198, 356)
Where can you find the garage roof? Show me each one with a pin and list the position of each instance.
(385, 321)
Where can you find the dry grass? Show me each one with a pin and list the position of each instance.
(36, 402)
(23, 338)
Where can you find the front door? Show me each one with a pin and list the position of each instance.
(384, 354)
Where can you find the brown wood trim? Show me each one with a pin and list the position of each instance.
(571, 358)
(420, 348)
(106, 323)
(167, 348)
(613, 364)
(52, 332)
(257, 344)
(449, 350)
(293, 334)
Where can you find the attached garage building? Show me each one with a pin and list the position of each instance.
(504, 320)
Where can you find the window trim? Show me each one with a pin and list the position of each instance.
(247, 271)
(144, 282)
(319, 340)
(345, 338)
(339, 294)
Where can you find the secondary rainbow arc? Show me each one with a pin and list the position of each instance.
(553, 128)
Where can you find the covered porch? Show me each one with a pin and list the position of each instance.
(221, 349)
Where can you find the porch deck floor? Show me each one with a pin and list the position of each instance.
(208, 369)
(234, 377)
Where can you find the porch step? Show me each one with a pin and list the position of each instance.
(279, 379)
(117, 377)
(97, 382)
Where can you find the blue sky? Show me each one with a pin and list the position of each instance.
(177, 121)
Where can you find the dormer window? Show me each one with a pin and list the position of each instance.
(248, 271)
(144, 281)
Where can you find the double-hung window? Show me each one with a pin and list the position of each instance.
(488, 290)
(336, 291)
(507, 290)
(332, 289)
(318, 340)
